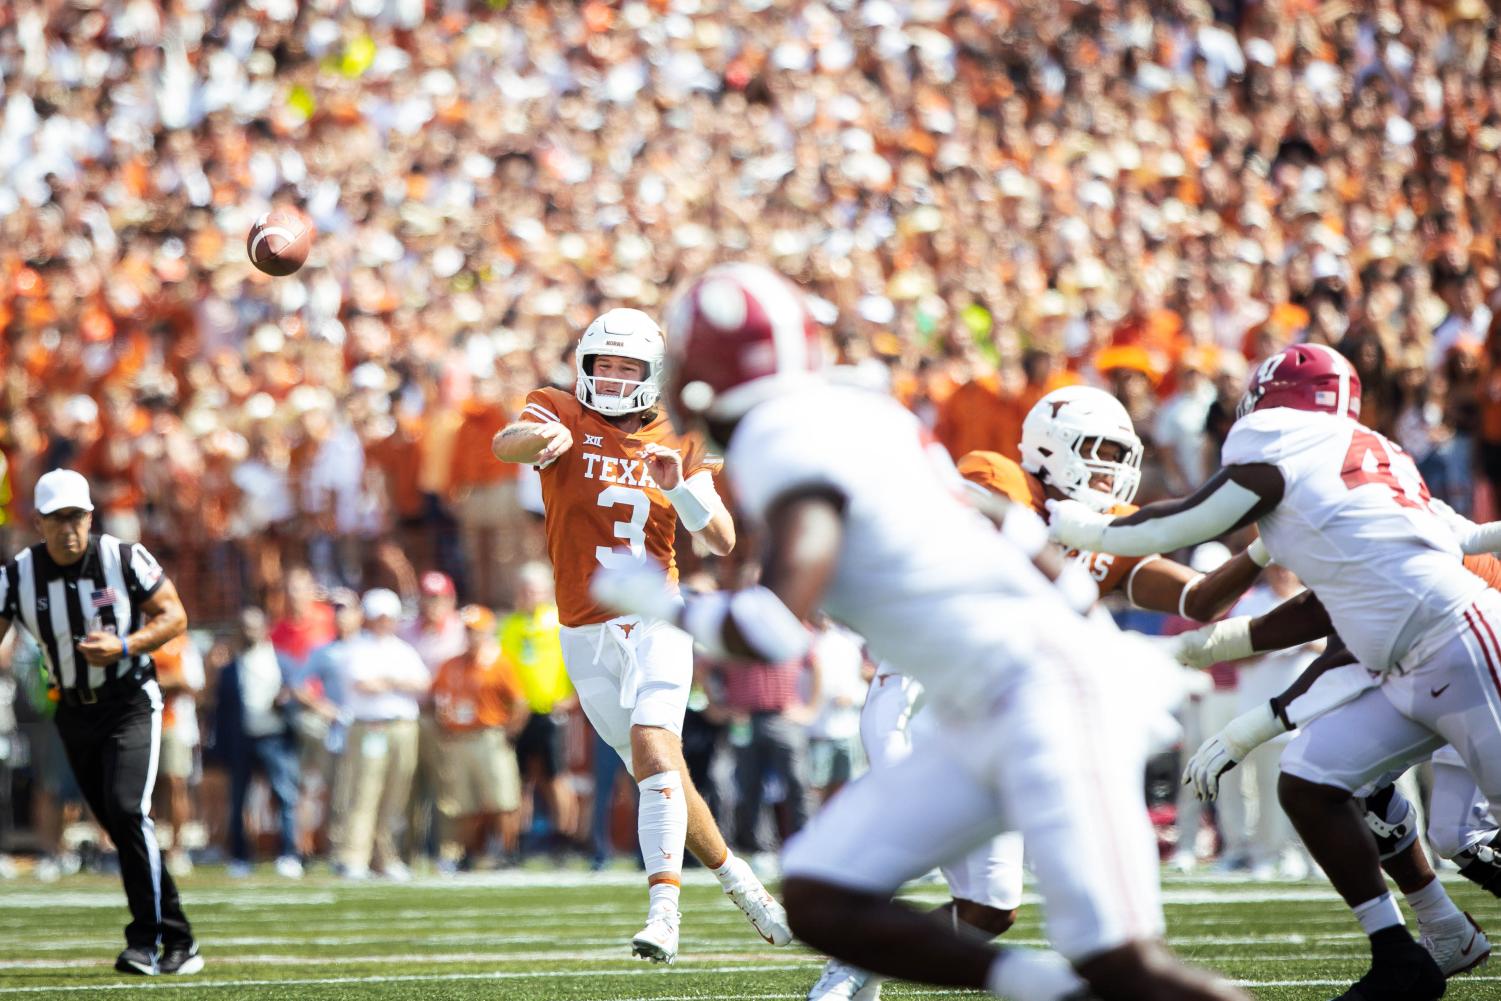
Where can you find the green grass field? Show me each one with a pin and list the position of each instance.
(538, 935)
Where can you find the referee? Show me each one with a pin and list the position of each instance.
(97, 607)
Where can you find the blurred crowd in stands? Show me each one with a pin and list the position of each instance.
(985, 199)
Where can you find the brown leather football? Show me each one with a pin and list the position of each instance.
(279, 241)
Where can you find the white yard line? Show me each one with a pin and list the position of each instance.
(161, 985)
(617, 954)
(194, 983)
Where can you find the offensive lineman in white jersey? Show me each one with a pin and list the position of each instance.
(1343, 508)
(867, 519)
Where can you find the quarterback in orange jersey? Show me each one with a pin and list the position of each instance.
(615, 482)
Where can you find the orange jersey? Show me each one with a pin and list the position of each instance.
(599, 498)
(1002, 476)
(1487, 568)
(474, 695)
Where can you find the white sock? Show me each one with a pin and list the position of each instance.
(1030, 974)
(1382, 912)
(728, 871)
(1432, 903)
(662, 827)
(663, 895)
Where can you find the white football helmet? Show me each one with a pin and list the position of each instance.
(1061, 438)
(628, 333)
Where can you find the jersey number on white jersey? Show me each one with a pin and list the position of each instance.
(632, 533)
(1372, 459)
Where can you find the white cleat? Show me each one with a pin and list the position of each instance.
(658, 941)
(768, 917)
(1456, 944)
(843, 982)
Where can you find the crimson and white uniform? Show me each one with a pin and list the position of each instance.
(1037, 727)
(1355, 524)
(890, 725)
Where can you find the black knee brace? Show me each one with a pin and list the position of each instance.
(1392, 820)
(1482, 865)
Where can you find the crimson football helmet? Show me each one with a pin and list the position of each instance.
(1304, 377)
(735, 336)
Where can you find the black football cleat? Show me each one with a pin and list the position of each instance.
(1399, 972)
(181, 960)
(141, 962)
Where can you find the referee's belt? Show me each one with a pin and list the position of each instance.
(107, 692)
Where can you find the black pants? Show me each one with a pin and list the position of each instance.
(113, 747)
(777, 745)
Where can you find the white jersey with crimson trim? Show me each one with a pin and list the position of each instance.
(1355, 525)
(920, 570)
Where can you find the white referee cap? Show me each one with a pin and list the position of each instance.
(60, 489)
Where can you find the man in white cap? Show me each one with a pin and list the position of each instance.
(386, 677)
(97, 607)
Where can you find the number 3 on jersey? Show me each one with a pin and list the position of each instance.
(1371, 460)
(632, 533)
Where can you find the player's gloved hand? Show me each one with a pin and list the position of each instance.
(1229, 747)
(1077, 525)
(1227, 639)
(636, 587)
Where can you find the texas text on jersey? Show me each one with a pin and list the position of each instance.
(602, 506)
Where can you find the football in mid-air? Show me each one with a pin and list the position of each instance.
(279, 242)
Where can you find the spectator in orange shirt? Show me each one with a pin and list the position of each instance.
(491, 521)
(480, 709)
(981, 414)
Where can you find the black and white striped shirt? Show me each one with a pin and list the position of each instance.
(57, 604)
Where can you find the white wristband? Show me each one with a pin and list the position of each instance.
(1183, 596)
(691, 509)
(1231, 639)
(1258, 552)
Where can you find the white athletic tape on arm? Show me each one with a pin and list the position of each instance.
(1213, 516)
(695, 501)
(1259, 554)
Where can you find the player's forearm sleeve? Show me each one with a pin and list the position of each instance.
(1215, 515)
(1473, 539)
